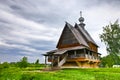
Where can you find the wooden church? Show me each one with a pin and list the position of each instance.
(75, 48)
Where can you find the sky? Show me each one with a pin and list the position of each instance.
(32, 27)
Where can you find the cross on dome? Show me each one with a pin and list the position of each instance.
(81, 19)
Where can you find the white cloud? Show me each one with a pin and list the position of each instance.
(21, 47)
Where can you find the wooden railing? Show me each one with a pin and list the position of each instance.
(83, 56)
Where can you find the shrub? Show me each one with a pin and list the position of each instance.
(4, 65)
(27, 77)
(23, 63)
(37, 61)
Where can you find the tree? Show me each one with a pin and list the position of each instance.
(108, 61)
(23, 63)
(37, 61)
(111, 38)
(4, 65)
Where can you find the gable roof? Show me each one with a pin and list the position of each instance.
(86, 35)
(80, 39)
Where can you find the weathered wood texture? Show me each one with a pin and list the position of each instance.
(93, 47)
(67, 39)
(71, 37)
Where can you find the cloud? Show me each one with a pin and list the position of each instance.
(15, 46)
(22, 28)
(9, 17)
(18, 33)
(97, 18)
(30, 28)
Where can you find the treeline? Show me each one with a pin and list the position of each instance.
(23, 63)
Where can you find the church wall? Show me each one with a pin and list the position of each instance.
(68, 45)
(93, 47)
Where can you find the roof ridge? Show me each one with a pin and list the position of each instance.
(85, 33)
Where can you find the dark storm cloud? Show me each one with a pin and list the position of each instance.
(15, 7)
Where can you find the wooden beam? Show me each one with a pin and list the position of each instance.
(52, 61)
(46, 61)
(75, 52)
(84, 52)
(89, 54)
(58, 59)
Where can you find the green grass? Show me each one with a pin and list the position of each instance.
(13, 73)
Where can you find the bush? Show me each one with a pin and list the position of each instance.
(23, 63)
(4, 65)
(27, 77)
(13, 64)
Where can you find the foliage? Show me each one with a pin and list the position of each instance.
(4, 65)
(23, 63)
(13, 64)
(37, 63)
(111, 37)
(27, 77)
(65, 74)
(108, 61)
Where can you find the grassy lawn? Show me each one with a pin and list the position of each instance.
(65, 74)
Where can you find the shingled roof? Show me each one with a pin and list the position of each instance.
(80, 34)
(84, 33)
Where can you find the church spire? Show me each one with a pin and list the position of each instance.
(81, 20)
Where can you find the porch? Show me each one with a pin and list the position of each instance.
(80, 55)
